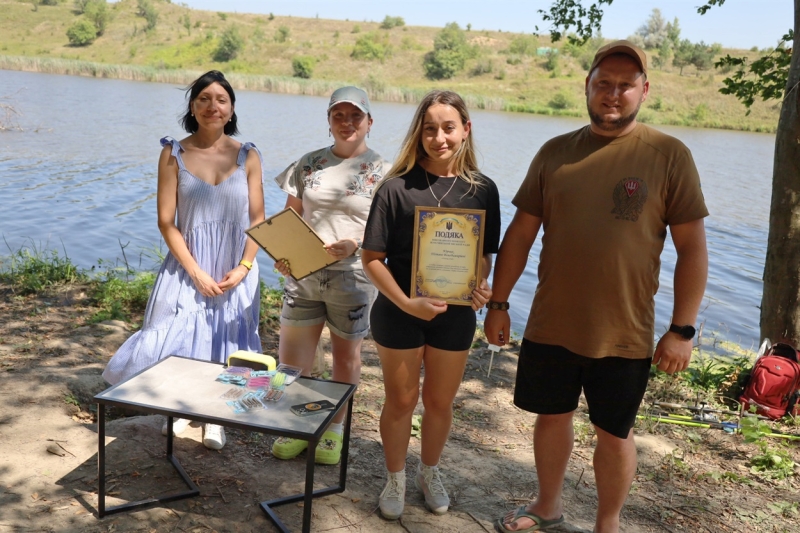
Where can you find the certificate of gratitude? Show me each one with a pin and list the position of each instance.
(447, 253)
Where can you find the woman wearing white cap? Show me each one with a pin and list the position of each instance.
(332, 189)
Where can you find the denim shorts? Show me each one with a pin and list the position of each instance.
(550, 379)
(340, 298)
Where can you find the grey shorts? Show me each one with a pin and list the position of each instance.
(340, 298)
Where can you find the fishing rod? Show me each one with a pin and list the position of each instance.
(704, 409)
(691, 422)
(728, 427)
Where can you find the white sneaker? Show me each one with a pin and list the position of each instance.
(393, 498)
(213, 436)
(429, 481)
(179, 425)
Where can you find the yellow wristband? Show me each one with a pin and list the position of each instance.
(247, 264)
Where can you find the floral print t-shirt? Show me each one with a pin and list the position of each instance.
(336, 194)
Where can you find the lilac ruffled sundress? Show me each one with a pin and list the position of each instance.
(178, 319)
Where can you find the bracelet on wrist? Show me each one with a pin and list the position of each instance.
(247, 264)
(497, 306)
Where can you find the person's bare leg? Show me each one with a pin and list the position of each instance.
(552, 447)
(443, 373)
(614, 469)
(401, 371)
(298, 345)
(346, 363)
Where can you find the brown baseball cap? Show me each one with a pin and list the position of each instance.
(621, 47)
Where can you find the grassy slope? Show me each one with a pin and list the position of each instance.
(25, 34)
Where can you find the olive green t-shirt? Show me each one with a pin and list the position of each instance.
(605, 205)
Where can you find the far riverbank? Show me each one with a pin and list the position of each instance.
(300, 86)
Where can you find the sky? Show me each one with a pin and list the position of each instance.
(737, 24)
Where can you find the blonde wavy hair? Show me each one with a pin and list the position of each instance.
(412, 151)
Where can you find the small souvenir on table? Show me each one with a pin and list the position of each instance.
(233, 394)
(233, 378)
(248, 402)
(259, 382)
(312, 408)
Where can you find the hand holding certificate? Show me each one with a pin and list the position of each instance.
(447, 253)
(287, 236)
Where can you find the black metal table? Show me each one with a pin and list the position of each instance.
(178, 387)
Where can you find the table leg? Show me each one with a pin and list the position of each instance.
(101, 460)
(169, 437)
(308, 495)
(346, 445)
(194, 490)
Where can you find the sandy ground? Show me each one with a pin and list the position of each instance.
(50, 365)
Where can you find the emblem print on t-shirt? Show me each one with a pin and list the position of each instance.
(364, 182)
(629, 197)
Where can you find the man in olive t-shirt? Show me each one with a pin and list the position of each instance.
(604, 196)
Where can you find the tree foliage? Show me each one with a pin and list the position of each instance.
(701, 55)
(765, 77)
(564, 14)
(146, 10)
(392, 22)
(82, 33)
(80, 6)
(98, 12)
(652, 33)
(449, 55)
(372, 46)
(303, 66)
(230, 44)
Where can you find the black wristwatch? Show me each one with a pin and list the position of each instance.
(497, 306)
(687, 332)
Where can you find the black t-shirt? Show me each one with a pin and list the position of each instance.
(390, 226)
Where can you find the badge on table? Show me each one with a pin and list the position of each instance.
(447, 253)
(312, 408)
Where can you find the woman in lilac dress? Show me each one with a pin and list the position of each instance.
(205, 302)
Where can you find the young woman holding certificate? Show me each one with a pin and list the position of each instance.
(332, 189)
(205, 300)
(437, 168)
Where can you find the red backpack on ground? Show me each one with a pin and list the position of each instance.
(774, 382)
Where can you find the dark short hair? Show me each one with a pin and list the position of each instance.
(194, 89)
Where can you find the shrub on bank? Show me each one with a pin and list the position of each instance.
(303, 66)
(372, 46)
(449, 55)
(230, 44)
(82, 33)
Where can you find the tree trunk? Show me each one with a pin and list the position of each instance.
(780, 303)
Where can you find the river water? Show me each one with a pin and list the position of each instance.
(80, 175)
